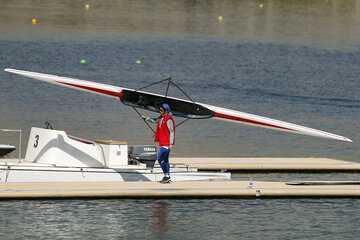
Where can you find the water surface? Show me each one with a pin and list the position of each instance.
(181, 219)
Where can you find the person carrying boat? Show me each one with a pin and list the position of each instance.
(165, 135)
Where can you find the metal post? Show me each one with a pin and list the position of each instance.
(20, 146)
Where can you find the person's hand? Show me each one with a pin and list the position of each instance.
(171, 147)
(143, 117)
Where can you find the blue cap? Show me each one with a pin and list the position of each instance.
(166, 107)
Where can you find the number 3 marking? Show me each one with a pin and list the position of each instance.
(37, 141)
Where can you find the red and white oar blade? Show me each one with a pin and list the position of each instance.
(87, 86)
(259, 121)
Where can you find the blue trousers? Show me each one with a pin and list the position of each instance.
(163, 158)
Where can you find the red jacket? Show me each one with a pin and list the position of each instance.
(162, 135)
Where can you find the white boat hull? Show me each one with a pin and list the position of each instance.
(216, 112)
(28, 172)
(54, 156)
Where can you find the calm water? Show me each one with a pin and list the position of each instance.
(181, 219)
(296, 61)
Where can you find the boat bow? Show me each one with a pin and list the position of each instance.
(259, 121)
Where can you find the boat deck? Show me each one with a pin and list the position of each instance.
(223, 189)
(268, 164)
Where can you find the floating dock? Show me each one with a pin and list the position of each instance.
(224, 189)
(268, 164)
(203, 189)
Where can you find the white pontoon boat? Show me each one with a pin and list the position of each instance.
(54, 156)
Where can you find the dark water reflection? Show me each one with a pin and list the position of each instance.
(160, 222)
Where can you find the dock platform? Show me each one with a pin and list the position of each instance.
(268, 164)
(203, 189)
(221, 189)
